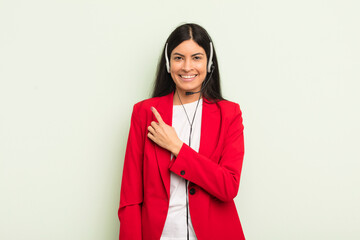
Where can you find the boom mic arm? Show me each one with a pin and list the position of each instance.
(203, 87)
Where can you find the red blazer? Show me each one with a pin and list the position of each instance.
(213, 173)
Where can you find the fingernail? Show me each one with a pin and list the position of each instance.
(152, 108)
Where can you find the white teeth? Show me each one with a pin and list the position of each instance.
(183, 76)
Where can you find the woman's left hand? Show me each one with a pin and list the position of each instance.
(164, 135)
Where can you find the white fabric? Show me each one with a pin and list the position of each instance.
(175, 224)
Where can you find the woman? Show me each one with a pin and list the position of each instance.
(185, 150)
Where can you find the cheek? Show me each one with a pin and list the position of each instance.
(173, 73)
(201, 66)
(174, 67)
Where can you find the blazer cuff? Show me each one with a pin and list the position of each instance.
(177, 165)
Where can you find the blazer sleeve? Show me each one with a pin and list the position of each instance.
(131, 194)
(220, 179)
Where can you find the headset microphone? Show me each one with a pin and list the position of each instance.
(203, 87)
(191, 93)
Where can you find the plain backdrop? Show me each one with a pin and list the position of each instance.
(71, 71)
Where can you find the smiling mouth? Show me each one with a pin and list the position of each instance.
(188, 77)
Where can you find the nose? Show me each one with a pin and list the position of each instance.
(187, 66)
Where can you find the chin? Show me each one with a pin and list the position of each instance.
(188, 89)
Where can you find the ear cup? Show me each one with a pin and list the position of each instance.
(167, 59)
(210, 63)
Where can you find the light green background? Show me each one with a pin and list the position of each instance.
(70, 72)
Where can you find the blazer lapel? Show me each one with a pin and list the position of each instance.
(209, 129)
(165, 109)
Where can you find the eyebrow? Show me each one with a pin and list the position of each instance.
(191, 55)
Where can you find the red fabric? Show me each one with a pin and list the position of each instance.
(214, 173)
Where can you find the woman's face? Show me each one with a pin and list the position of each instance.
(188, 64)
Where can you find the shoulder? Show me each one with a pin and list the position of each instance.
(148, 102)
(142, 107)
(232, 113)
(229, 108)
(228, 104)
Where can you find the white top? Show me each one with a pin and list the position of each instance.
(175, 224)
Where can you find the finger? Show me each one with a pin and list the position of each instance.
(155, 125)
(157, 115)
(151, 130)
(150, 136)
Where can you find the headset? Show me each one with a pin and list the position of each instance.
(210, 66)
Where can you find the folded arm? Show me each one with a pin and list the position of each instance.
(220, 179)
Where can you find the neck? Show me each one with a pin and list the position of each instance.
(185, 98)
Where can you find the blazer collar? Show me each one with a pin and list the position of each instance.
(165, 108)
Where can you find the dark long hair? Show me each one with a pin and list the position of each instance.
(164, 84)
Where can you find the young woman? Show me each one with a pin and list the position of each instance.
(185, 150)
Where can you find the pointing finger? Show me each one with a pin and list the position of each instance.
(157, 115)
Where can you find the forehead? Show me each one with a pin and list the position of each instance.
(188, 47)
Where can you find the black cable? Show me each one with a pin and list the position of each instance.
(186, 181)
